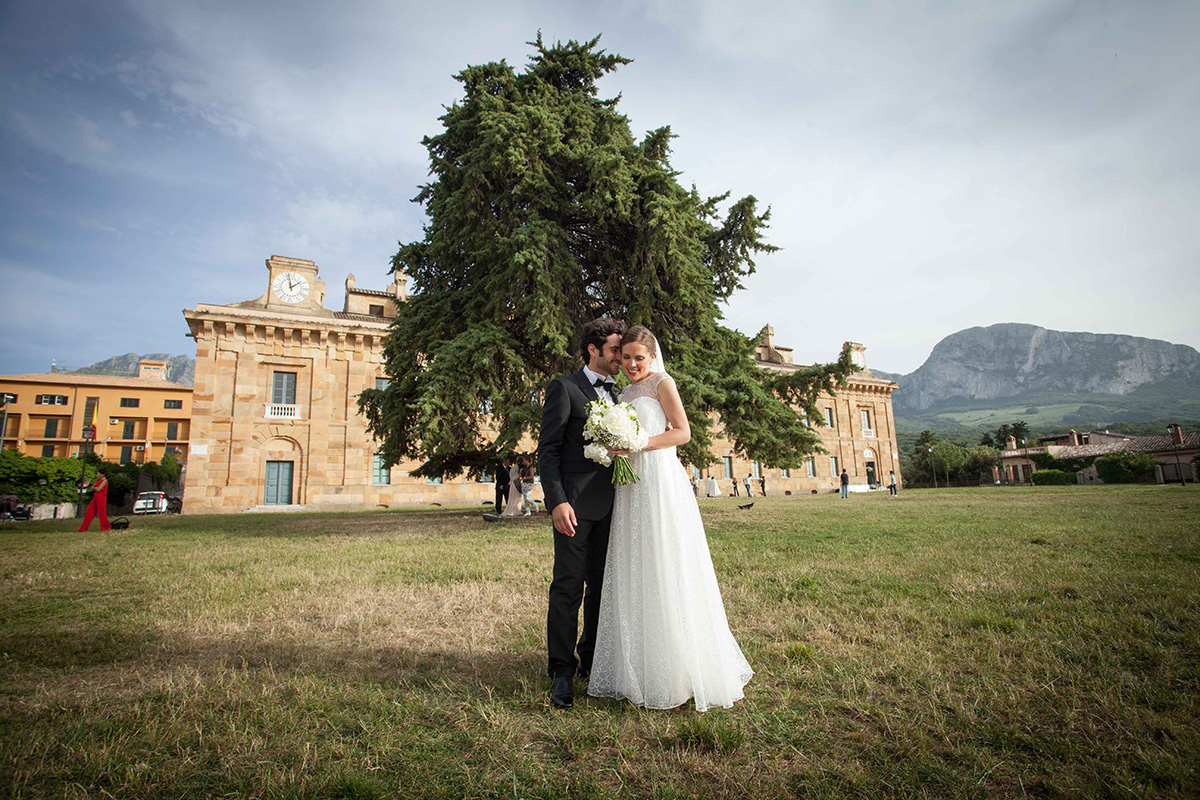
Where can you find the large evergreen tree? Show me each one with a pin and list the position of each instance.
(545, 212)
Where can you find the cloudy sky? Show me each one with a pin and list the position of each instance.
(930, 166)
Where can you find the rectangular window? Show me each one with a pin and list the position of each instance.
(833, 466)
(172, 431)
(696, 473)
(810, 467)
(127, 433)
(434, 481)
(50, 400)
(829, 417)
(51, 428)
(47, 451)
(130, 402)
(172, 404)
(126, 455)
(865, 413)
(756, 469)
(375, 311)
(785, 473)
(381, 383)
(381, 475)
(89, 411)
(283, 389)
(727, 465)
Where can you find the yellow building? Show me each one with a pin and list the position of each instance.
(137, 419)
(276, 422)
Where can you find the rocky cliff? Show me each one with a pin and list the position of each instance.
(1011, 360)
(181, 369)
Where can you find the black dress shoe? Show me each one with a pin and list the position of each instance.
(561, 694)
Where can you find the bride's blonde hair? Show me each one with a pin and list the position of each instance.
(640, 335)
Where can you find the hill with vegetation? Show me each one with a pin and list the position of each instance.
(979, 378)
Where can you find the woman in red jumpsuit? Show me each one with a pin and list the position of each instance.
(99, 504)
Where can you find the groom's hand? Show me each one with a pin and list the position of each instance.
(564, 519)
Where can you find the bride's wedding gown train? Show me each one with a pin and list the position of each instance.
(663, 637)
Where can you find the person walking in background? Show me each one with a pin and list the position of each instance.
(892, 483)
(735, 488)
(845, 483)
(513, 509)
(696, 487)
(711, 488)
(98, 505)
(749, 491)
(527, 500)
(762, 484)
(502, 484)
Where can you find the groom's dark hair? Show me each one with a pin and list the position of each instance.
(597, 332)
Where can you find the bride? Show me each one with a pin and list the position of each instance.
(662, 638)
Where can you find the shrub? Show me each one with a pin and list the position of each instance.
(1125, 467)
(1053, 477)
(41, 480)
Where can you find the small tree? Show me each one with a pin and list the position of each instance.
(980, 460)
(947, 457)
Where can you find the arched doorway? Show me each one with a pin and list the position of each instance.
(872, 472)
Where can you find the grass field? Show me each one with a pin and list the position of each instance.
(997, 642)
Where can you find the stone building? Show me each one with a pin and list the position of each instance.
(1175, 454)
(275, 417)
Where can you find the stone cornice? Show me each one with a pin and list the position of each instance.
(205, 315)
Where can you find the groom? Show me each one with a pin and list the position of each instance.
(579, 494)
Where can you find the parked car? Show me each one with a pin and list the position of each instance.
(150, 503)
(174, 505)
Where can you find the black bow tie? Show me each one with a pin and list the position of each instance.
(608, 386)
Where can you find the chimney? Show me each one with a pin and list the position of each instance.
(1074, 437)
(156, 370)
(350, 281)
(1010, 443)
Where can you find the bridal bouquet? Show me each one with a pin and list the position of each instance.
(613, 426)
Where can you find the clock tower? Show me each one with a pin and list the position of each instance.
(293, 285)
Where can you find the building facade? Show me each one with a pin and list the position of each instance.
(275, 417)
(137, 420)
(1175, 454)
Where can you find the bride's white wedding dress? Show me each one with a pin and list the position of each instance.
(663, 637)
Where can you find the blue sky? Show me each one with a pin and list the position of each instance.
(930, 166)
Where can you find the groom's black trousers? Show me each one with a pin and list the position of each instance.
(578, 560)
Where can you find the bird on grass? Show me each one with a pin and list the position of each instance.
(746, 505)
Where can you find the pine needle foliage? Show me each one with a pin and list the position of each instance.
(545, 212)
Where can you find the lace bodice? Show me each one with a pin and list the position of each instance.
(643, 396)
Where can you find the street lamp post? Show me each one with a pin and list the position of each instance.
(89, 435)
(933, 468)
(1028, 466)
(1172, 430)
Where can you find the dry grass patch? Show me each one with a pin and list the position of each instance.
(984, 643)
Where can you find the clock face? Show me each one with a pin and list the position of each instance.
(290, 287)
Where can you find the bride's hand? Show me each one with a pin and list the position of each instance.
(620, 452)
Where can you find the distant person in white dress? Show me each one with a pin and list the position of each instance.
(711, 487)
(663, 637)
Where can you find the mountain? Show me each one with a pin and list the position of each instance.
(1065, 377)
(180, 369)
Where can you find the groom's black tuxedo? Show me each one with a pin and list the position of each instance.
(570, 477)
